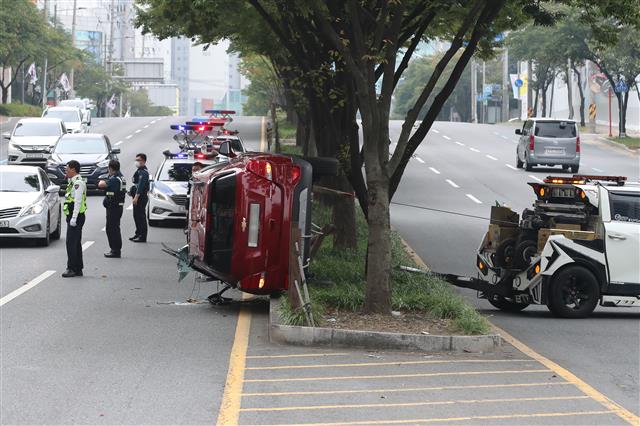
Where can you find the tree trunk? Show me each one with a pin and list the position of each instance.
(581, 92)
(553, 90)
(544, 100)
(535, 104)
(5, 94)
(344, 216)
(624, 101)
(569, 89)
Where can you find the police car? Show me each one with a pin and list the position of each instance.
(170, 184)
(576, 248)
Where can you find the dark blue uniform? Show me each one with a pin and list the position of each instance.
(114, 204)
(141, 179)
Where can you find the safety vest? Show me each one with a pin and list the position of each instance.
(69, 196)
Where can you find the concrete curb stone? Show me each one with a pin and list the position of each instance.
(374, 340)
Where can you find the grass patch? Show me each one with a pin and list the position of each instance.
(290, 150)
(411, 292)
(18, 109)
(286, 130)
(633, 143)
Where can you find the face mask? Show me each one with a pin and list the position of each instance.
(137, 163)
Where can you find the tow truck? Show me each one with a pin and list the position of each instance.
(577, 247)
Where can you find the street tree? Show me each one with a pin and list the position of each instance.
(353, 54)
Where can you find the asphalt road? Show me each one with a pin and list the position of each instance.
(466, 168)
(112, 347)
(121, 346)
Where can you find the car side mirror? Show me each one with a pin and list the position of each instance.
(115, 151)
(225, 149)
(518, 131)
(53, 189)
(6, 135)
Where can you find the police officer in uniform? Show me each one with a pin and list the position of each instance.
(115, 189)
(75, 204)
(139, 192)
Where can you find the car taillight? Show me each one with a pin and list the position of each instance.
(532, 142)
(578, 144)
(295, 174)
(261, 168)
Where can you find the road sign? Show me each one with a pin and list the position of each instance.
(592, 111)
(621, 87)
(519, 83)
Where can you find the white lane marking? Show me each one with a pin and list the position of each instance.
(130, 207)
(597, 170)
(28, 286)
(452, 183)
(434, 170)
(87, 244)
(536, 178)
(510, 166)
(459, 143)
(146, 125)
(129, 137)
(505, 138)
(435, 131)
(118, 143)
(420, 160)
(137, 131)
(474, 150)
(104, 228)
(446, 137)
(496, 133)
(514, 141)
(474, 199)
(491, 157)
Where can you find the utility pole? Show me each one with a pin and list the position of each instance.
(484, 102)
(474, 92)
(45, 10)
(592, 97)
(529, 88)
(505, 85)
(111, 22)
(44, 83)
(73, 44)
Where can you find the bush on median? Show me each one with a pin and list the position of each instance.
(20, 110)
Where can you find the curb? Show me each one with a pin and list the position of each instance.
(374, 340)
(616, 145)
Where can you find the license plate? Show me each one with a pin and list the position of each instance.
(554, 151)
(4, 223)
(36, 155)
(563, 193)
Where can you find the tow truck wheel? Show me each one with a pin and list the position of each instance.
(504, 253)
(505, 304)
(523, 253)
(573, 292)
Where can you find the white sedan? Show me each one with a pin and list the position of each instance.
(29, 204)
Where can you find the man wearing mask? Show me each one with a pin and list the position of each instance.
(140, 198)
(115, 188)
(75, 204)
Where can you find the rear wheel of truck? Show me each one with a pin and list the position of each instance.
(504, 253)
(505, 304)
(523, 253)
(573, 293)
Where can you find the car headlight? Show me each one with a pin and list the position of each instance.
(36, 208)
(159, 195)
(104, 163)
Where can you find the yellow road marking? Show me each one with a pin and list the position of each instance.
(432, 388)
(419, 404)
(455, 419)
(395, 376)
(230, 407)
(297, 356)
(262, 139)
(377, 364)
(616, 408)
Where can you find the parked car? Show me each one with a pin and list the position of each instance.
(82, 104)
(29, 204)
(72, 117)
(168, 198)
(92, 150)
(31, 139)
(548, 142)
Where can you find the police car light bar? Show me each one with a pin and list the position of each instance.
(219, 111)
(193, 126)
(582, 179)
(204, 123)
(169, 154)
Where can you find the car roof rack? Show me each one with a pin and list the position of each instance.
(583, 179)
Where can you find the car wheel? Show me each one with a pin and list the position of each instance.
(56, 234)
(574, 169)
(518, 162)
(573, 292)
(44, 242)
(527, 166)
(565, 168)
(505, 304)
(504, 253)
(523, 253)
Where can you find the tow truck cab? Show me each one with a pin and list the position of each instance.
(241, 216)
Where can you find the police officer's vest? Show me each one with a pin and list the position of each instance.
(116, 198)
(69, 201)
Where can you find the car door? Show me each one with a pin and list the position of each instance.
(52, 199)
(621, 218)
